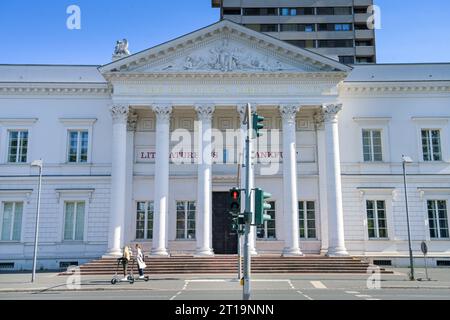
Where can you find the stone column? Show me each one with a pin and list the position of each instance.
(130, 205)
(159, 243)
(204, 187)
(119, 115)
(322, 166)
(336, 242)
(242, 110)
(290, 199)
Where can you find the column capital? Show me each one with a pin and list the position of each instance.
(288, 112)
(119, 113)
(319, 120)
(205, 111)
(162, 111)
(242, 109)
(330, 111)
(132, 121)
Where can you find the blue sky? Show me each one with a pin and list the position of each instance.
(34, 31)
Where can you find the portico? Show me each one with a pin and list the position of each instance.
(201, 82)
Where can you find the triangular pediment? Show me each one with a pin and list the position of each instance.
(224, 47)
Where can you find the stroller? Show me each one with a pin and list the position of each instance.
(116, 278)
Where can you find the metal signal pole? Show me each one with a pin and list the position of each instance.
(247, 213)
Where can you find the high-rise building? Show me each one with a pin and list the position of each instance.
(336, 28)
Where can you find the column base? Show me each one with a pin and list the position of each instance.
(253, 252)
(156, 253)
(337, 252)
(289, 252)
(204, 253)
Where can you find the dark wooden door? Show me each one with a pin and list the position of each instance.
(224, 239)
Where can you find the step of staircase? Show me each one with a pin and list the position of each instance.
(227, 264)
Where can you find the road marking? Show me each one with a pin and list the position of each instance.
(292, 286)
(176, 295)
(373, 299)
(186, 282)
(363, 296)
(318, 285)
(306, 296)
(352, 292)
(208, 280)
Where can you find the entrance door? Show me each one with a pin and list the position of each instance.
(224, 239)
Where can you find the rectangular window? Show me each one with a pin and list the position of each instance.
(347, 59)
(431, 145)
(437, 219)
(144, 220)
(263, 27)
(335, 27)
(78, 146)
(294, 27)
(232, 11)
(376, 219)
(307, 219)
(18, 146)
(338, 43)
(331, 11)
(11, 221)
(296, 11)
(303, 43)
(74, 220)
(260, 11)
(186, 220)
(372, 147)
(268, 231)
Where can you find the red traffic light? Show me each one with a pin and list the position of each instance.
(235, 195)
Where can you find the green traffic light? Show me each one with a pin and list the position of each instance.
(257, 124)
(261, 206)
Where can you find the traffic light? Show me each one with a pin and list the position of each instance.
(261, 206)
(235, 201)
(257, 125)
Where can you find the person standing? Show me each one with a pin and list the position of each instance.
(140, 261)
(125, 259)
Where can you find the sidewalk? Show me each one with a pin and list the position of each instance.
(21, 282)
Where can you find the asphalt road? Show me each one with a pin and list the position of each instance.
(321, 287)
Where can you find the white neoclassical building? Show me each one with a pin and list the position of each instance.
(145, 149)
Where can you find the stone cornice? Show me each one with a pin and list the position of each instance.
(54, 89)
(324, 77)
(393, 88)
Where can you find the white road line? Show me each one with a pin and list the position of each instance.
(306, 296)
(177, 294)
(291, 285)
(352, 292)
(207, 280)
(318, 285)
(186, 282)
(363, 296)
(373, 299)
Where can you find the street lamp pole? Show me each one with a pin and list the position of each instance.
(406, 160)
(39, 164)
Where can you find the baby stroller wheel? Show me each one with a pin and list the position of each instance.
(146, 279)
(131, 280)
(130, 277)
(113, 281)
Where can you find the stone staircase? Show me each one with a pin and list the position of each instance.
(227, 264)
